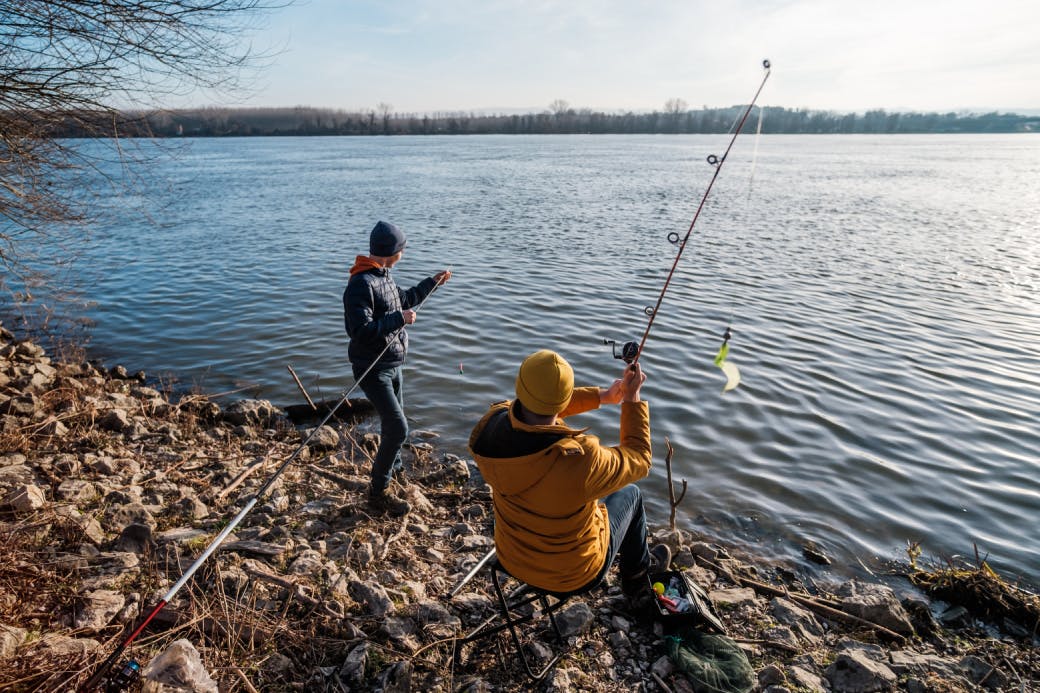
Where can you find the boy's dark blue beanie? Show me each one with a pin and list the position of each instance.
(386, 240)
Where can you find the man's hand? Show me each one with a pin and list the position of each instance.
(409, 316)
(612, 395)
(631, 381)
(442, 276)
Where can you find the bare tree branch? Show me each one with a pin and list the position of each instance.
(94, 67)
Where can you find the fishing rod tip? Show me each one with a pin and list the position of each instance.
(766, 64)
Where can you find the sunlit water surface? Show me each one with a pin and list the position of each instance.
(882, 293)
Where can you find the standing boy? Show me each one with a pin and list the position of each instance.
(375, 312)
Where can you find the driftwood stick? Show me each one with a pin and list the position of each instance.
(770, 643)
(302, 388)
(812, 603)
(242, 476)
(661, 683)
(283, 582)
(245, 682)
(672, 502)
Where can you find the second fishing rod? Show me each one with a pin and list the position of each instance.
(129, 671)
(631, 351)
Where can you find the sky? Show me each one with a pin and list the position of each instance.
(502, 56)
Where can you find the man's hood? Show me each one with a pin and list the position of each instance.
(514, 456)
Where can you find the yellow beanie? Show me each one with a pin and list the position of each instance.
(545, 383)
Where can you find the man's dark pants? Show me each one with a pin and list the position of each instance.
(627, 533)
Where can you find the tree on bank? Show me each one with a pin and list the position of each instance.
(85, 66)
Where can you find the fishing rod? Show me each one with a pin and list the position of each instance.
(131, 670)
(631, 351)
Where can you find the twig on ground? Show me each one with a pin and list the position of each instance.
(672, 501)
(302, 388)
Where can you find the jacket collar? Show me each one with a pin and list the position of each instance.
(558, 427)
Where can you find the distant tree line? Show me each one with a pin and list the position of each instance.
(559, 119)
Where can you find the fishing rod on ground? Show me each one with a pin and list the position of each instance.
(631, 351)
(129, 672)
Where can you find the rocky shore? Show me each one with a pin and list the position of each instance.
(110, 488)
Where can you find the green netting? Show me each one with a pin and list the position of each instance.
(711, 663)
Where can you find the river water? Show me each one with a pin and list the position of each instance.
(882, 292)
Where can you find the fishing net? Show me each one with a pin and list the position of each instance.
(711, 663)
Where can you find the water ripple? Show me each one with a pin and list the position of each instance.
(882, 292)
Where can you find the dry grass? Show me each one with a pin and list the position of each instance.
(983, 592)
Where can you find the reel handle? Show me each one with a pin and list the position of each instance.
(629, 350)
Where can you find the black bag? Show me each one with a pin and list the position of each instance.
(678, 600)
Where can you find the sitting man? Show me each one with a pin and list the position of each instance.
(552, 530)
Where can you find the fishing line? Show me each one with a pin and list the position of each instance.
(99, 675)
(631, 351)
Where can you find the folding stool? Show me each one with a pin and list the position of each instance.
(510, 611)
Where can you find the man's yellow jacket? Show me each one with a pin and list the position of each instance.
(551, 531)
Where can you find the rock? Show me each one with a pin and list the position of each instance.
(982, 673)
(619, 641)
(771, 675)
(194, 508)
(538, 653)
(278, 665)
(135, 538)
(132, 513)
(800, 620)
(397, 629)
(99, 610)
(25, 498)
(372, 597)
(854, 672)
(76, 490)
(575, 619)
(251, 412)
(735, 596)
(180, 668)
(13, 472)
(955, 617)
(324, 438)
(115, 420)
(54, 428)
(87, 524)
(309, 562)
(11, 638)
(397, 678)
(64, 646)
(434, 616)
(254, 548)
(783, 635)
(663, 667)
(921, 618)
(803, 679)
(904, 662)
(560, 681)
(875, 603)
(22, 407)
(707, 551)
(353, 669)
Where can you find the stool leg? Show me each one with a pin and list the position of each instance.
(507, 613)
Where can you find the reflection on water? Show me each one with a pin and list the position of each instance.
(882, 293)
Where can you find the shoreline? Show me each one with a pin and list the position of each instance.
(108, 490)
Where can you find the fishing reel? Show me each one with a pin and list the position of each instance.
(629, 350)
(124, 678)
